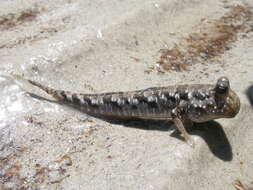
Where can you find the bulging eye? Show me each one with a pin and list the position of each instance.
(222, 85)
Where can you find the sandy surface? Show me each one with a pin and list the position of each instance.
(98, 46)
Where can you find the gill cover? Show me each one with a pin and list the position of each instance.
(223, 103)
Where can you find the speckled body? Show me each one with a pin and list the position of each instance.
(198, 102)
(183, 104)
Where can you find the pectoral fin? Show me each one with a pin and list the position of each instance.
(180, 126)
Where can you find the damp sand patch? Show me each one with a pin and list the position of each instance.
(212, 39)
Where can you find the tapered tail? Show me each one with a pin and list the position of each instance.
(48, 90)
(44, 88)
(57, 94)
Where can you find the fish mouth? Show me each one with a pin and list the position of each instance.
(234, 104)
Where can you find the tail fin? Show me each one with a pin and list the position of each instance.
(42, 87)
(48, 90)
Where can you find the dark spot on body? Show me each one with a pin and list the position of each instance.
(116, 105)
(106, 100)
(171, 102)
(197, 111)
(94, 106)
(127, 102)
(134, 107)
(152, 105)
(63, 94)
(143, 100)
(184, 95)
(199, 95)
(87, 100)
(75, 99)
